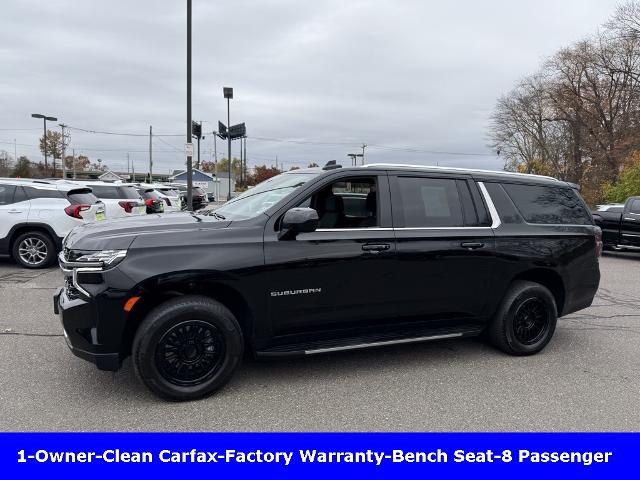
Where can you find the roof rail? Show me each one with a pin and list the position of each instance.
(458, 169)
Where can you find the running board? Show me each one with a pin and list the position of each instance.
(357, 343)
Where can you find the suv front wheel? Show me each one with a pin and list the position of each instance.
(187, 347)
(526, 319)
(34, 250)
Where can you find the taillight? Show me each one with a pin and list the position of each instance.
(598, 233)
(168, 202)
(74, 210)
(128, 206)
(149, 202)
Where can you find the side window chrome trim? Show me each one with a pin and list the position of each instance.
(365, 229)
(493, 212)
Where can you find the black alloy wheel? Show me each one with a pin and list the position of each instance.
(190, 352)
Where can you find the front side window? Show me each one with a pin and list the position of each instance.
(543, 204)
(6, 194)
(430, 202)
(346, 203)
(634, 208)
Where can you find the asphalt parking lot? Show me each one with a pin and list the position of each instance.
(588, 378)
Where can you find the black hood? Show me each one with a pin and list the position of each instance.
(118, 234)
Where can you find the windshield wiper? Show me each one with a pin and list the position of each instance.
(218, 215)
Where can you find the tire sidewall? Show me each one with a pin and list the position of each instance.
(159, 321)
(527, 293)
(51, 250)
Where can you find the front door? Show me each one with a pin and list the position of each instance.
(338, 276)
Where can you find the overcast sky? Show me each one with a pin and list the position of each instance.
(326, 76)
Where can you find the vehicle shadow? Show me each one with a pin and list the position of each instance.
(622, 255)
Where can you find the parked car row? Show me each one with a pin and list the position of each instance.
(35, 215)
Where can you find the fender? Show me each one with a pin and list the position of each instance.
(18, 228)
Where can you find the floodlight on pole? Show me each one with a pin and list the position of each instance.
(44, 138)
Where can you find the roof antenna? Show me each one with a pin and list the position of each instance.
(331, 164)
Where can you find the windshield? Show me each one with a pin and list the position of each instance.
(259, 198)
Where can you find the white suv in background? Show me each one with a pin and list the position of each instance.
(35, 217)
(119, 200)
(169, 195)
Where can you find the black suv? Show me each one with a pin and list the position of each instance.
(316, 261)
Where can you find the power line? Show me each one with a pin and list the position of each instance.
(122, 134)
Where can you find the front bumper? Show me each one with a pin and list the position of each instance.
(79, 320)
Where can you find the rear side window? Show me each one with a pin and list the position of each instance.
(430, 202)
(34, 193)
(105, 191)
(84, 197)
(635, 206)
(548, 204)
(128, 193)
(6, 194)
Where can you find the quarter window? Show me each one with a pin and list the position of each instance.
(635, 207)
(430, 202)
(548, 205)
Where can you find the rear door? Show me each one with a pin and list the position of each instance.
(630, 224)
(445, 247)
(14, 208)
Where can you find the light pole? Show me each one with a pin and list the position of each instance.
(189, 125)
(228, 94)
(45, 118)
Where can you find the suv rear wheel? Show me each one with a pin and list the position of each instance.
(187, 348)
(34, 250)
(525, 321)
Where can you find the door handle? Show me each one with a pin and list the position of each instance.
(472, 245)
(15, 211)
(376, 247)
(630, 218)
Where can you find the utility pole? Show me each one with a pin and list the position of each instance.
(215, 166)
(363, 147)
(15, 151)
(128, 165)
(150, 154)
(244, 170)
(73, 163)
(64, 149)
(241, 167)
(228, 94)
(189, 125)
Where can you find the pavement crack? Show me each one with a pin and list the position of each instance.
(9, 331)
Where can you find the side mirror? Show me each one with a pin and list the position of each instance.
(298, 220)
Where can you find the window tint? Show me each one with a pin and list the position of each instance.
(635, 206)
(84, 197)
(548, 205)
(128, 193)
(34, 193)
(346, 203)
(105, 191)
(19, 196)
(430, 202)
(6, 194)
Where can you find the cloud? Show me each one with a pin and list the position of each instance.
(416, 74)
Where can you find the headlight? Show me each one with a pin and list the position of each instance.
(108, 258)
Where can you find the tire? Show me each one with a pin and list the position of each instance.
(525, 321)
(187, 348)
(34, 250)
